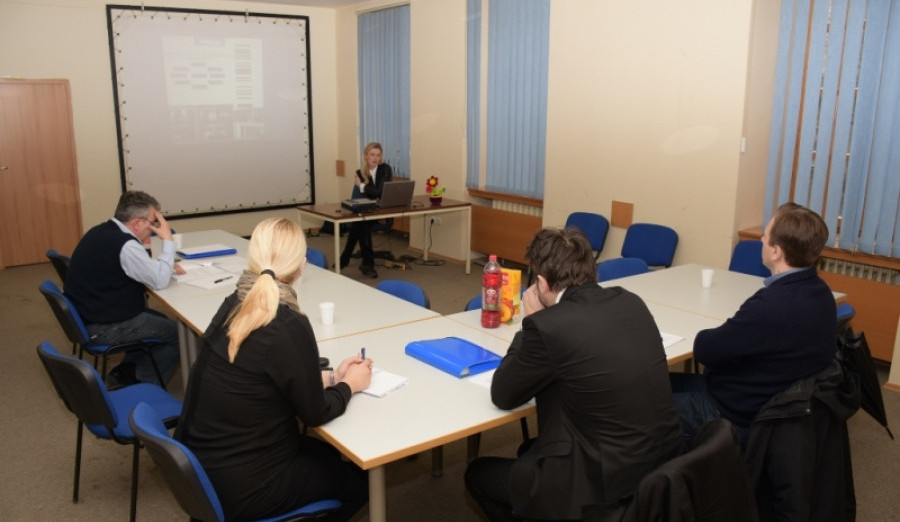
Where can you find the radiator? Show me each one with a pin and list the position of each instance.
(519, 208)
(877, 274)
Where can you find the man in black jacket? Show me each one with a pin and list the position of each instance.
(593, 360)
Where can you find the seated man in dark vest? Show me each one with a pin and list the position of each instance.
(107, 280)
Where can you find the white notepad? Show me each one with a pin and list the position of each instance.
(384, 383)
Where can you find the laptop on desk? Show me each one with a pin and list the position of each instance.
(397, 193)
(393, 194)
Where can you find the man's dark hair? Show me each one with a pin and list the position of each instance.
(801, 234)
(563, 256)
(135, 203)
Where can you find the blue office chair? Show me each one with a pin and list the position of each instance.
(187, 479)
(60, 264)
(845, 313)
(316, 257)
(655, 244)
(103, 412)
(77, 332)
(405, 290)
(474, 303)
(747, 259)
(594, 226)
(621, 267)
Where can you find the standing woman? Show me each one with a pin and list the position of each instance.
(258, 371)
(370, 179)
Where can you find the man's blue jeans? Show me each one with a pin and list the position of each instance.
(693, 403)
(145, 325)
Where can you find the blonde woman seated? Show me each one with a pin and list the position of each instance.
(257, 373)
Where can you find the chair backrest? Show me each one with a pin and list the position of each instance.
(747, 258)
(79, 386)
(594, 226)
(655, 244)
(178, 465)
(65, 313)
(316, 257)
(621, 267)
(60, 263)
(474, 303)
(405, 290)
(710, 480)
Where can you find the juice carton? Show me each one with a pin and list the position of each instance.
(510, 294)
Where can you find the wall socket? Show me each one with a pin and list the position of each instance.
(436, 221)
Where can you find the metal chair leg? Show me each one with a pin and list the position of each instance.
(135, 463)
(78, 439)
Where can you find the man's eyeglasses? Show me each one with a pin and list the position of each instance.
(152, 223)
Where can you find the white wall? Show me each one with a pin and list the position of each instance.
(648, 101)
(68, 39)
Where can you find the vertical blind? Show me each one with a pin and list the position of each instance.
(516, 107)
(835, 141)
(384, 55)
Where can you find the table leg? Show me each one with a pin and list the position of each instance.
(337, 248)
(377, 495)
(425, 221)
(467, 235)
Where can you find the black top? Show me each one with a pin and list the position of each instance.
(596, 366)
(241, 419)
(96, 282)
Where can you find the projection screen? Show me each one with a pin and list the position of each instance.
(213, 108)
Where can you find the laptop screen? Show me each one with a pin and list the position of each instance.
(397, 193)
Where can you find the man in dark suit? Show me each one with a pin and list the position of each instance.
(593, 360)
(782, 333)
(370, 179)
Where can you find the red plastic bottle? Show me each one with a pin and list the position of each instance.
(490, 293)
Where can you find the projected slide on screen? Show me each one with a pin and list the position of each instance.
(213, 108)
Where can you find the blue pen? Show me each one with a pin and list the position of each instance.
(363, 352)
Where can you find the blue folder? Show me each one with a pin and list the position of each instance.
(211, 251)
(456, 356)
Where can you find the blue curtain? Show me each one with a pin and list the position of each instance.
(473, 93)
(518, 52)
(836, 119)
(383, 54)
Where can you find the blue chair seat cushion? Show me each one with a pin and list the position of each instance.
(123, 400)
(100, 349)
(308, 509)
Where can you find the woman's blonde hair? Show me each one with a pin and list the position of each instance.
(277, 244)
(363, 166)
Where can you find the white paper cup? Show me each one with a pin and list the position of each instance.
(706, 277)
(177, 238)
(326, 312)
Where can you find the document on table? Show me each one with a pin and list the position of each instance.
(670, 339)
(384, 382)
(207, 274)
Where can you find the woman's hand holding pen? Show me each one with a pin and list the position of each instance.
(356, 372)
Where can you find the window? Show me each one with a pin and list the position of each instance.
(835, 144)
(384, 84)
(507, 97)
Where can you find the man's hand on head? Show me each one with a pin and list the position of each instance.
(163, 229)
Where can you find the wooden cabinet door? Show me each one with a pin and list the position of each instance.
(40, 207)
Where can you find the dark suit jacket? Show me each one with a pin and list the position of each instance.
(596, 366)
(373, 190)
(784, 332)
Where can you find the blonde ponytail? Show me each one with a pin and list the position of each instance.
(276, 254)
